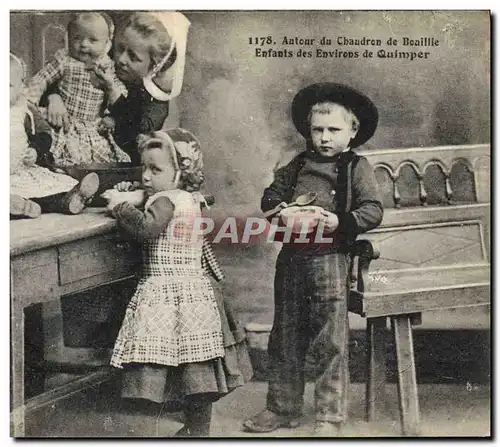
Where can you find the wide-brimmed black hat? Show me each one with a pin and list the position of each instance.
(357, 102)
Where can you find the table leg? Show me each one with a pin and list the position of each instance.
(407, 379)
(376, 366)
(17, 369)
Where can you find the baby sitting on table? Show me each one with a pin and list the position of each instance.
(82, 137)
(35, 189)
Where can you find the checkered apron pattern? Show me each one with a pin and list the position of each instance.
(81, 143)
(173, 316)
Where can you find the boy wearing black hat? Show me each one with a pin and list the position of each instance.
(311, 279)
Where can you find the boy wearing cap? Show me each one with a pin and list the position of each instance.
(311, 279)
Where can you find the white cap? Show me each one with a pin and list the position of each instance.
(166, 85)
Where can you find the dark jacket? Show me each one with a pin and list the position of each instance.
(137, 113)
(39, 135)
(358, 203)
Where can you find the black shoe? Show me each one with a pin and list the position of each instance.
(75, 201)
(267, 421)
(182, 433)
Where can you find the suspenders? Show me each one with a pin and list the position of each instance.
(345, 168)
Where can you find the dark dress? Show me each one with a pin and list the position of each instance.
(137, 113)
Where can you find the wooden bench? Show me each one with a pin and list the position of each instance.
(432, 251)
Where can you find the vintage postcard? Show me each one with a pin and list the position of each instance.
(237, 224)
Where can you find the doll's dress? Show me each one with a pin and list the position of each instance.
(34, 181)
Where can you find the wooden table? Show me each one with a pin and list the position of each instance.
(50, 257)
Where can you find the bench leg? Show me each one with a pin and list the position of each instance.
(407, 379)
(376, 359)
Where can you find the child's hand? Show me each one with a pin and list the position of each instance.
(57, 115)
(136, 197)
(330, 221)
(101, 75)
(113, 197)
(278, 209)
(127, 186)
(30, 157)
(107, 124)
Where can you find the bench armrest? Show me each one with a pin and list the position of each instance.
(365, 249)
(366, 252)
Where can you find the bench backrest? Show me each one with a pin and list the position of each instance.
(437, 210)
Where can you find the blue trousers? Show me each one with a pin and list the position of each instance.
(310, 317)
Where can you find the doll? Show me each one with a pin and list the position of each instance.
(35, 189)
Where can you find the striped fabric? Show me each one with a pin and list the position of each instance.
(310, 319)
(209, 262)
